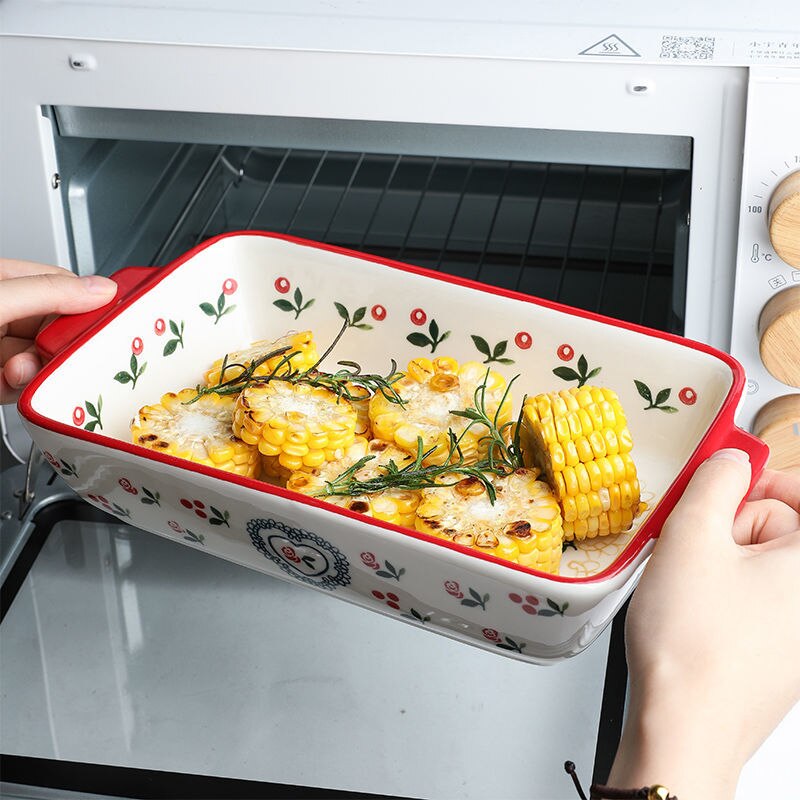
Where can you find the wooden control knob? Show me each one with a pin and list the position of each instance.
(778, 424)
(784, 219)
(779, 332)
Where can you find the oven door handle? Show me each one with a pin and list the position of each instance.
(66, 329)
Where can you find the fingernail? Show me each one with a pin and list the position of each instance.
(24, 372)
(96, 284)
(731, 454)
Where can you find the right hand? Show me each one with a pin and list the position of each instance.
(713, 633)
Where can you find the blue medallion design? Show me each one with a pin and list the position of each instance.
(301, 554)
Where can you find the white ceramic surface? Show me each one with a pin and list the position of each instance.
(679, 396)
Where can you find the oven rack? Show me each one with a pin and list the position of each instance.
(608, 239)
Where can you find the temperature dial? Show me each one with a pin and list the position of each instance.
(778, 424)
(784, 219)
(779, 334)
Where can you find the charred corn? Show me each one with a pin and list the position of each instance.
(523, 526)
(580, 441)
(301, 356)
(391, 505)
(431, 390)
(200, 432)
(301, 426)
(360, 398)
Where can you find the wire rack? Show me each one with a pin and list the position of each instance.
(607, 239)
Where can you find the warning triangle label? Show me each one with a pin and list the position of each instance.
(610, 46)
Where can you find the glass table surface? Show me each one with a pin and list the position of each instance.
(122, 648)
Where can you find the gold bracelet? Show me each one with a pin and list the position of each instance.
(599, 792)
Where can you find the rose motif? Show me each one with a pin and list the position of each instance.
(687, 396)
(418, 316)
(369, 560)
(523, 340)
(282, 285)
(452, 588)
(159, 327)
(229, 286)
(378, 313)
(491, 634)
(78, 415)
(565, 352)
(128, 486)
(289, 553)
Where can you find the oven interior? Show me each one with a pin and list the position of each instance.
(554, 214)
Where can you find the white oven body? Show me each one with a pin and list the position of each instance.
(706, 105)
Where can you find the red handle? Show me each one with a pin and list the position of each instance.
(65, 329)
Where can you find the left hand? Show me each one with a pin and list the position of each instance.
(30, 294)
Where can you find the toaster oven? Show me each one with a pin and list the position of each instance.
(638, 165)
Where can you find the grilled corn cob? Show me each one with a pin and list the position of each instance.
(301, 355)
(580, 440)
(360, 398)
(302, 426)
(391, 505)
(200, 432)
(523, 525)
(430, 391)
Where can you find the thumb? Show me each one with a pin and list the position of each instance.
(52, 293)
(711, 499)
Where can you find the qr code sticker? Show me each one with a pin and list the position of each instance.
(696, 48)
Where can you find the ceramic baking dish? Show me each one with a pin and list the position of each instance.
(168, 325)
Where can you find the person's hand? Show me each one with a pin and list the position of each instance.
(29, 294)
(713, 633)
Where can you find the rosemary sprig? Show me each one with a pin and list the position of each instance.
(339, 382)
(502, 457)
(243, 378)
(500, 454)
(413, 476)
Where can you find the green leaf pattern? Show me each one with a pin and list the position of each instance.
(660, 399)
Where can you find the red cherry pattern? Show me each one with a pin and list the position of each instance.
(687, 396)
(282, 285)
(137, 345)
(98, 498)
(229, 286)
(418, 317)
(159, 327)
(78, 415)
(378, 313)
(528, 603)
(523, 340)
(196, 506)
(565, 352)
(390, 598)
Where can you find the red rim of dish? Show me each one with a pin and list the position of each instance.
(721, 432)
